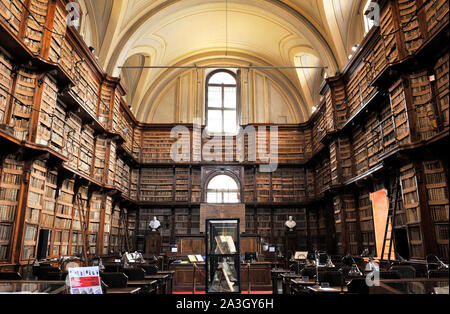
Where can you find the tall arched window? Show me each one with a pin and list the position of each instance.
(221, 102)
(222, 189)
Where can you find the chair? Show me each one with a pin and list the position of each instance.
(48, 272)
(389, 274)
(405, 271)
(114, 280)
(358, 286)
(150, 269)
(113, 268)
(134, 274)
(438, 274)
(10, 276)
(334, 278)
(421, 269)
(309, 272)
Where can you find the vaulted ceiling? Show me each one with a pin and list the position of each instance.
(257, 32)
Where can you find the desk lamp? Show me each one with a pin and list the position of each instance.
(354, 271)
(442, 265)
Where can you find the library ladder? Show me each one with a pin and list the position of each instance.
(83, 227)
(390, 221)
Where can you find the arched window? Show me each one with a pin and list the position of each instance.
(222, 189)
(221, 102)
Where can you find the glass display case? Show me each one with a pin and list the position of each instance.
(223, 256)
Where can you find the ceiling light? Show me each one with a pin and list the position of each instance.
(355, 47)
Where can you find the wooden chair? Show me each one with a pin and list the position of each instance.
(10, 276)
(334, 278)
(134, 274)
(309, 271)
(438, 273)
(358, 286)
(405, 271)
(114, 280)
(150, 269)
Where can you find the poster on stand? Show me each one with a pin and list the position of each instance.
(85, 280)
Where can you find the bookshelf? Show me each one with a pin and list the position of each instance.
(441, 70)
(72, 136)
(410, 24)
(100, 158)
(389, 28)
(49, 203)
(423, 105)
(5, 83)
(264, 224)
(110, 172)
(436, 14)
(437, 192)
(338, 220)
(263, 187)
(182, 184)
(156, 185)
(107, 224)
(196, 188)
(34, 31)
(23, 103)
(59, 30)
(11, 177)
(366, 224)
(181, 221)
(11, 14)
(94, 221)
(86, 150)
(249, 185)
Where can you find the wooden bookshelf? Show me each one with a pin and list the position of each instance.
(11, 177)
(366, 224)
(157, 185)
(5, 83)
(437, 195)
(11, 14)
(441, 70)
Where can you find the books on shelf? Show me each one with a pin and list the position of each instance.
(11, 14)
(5, 82)
(35, 25)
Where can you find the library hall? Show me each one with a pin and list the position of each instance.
(224, 147)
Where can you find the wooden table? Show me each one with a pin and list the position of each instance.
(170, 280)
(147, 285)
(287, 281)
(330, 290)
(162, 287)
(128, 290)
(277, 280)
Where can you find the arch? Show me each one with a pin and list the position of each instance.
(297, 21)
(222, 187)
(166, 78)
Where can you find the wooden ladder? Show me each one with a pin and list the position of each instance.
(390, 221)
(125, 225)
(84, 230)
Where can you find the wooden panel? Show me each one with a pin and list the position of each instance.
(211, 211)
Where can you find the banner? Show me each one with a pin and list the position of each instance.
(85, 280)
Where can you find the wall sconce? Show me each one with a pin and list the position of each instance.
(92, 49)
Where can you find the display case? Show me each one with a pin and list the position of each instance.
(223, 256)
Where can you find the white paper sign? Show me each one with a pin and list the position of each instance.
(85, 280)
